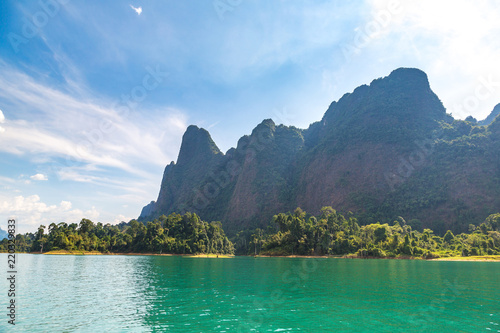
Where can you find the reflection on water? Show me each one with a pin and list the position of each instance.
(178, 294)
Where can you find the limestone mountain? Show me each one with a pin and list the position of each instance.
(385, 150)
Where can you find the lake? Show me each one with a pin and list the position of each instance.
(246, 294)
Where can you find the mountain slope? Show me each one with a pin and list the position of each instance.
(364, 136)
(491, 116)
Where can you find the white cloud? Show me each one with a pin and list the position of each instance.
(2, 120)
(66, 205)
(122, 218)
(138, 10)
(39, 176)
(30, 212)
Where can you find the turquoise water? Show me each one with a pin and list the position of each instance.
(245, 294)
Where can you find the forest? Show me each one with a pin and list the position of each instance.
(174, 234)
(297, 233)
(332, 233)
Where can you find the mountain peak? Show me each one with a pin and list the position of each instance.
(409, 74)
(196, 144)
(266, 124)
(410, 80)
(400, 106)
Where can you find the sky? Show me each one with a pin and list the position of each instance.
(95, 96)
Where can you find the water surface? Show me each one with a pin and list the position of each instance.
(246, 294)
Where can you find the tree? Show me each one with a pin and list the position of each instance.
(257, 240)
(52, 227)
(281, 222)
(401, 221)
(448, 237)
(41, 230)
(86, 226)
(299, 213)
(494, 221)
(394, 241)
(380, 234)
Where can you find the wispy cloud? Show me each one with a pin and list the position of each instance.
(135, 187)
(2, 120)
(54, 123)
(138, 10)
(6, 180)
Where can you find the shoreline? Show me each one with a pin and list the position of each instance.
(492, 258)
(486, 258)
(334, 257)
(96, 253)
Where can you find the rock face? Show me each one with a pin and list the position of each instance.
(385, 150)
(491, 117)
(198, 156)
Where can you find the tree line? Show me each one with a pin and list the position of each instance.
(332, 233)
(297, 233)
(173, 234)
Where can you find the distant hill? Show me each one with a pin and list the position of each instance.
(385, 150)
(3, 234)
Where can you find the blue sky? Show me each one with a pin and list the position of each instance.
(95, 96)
